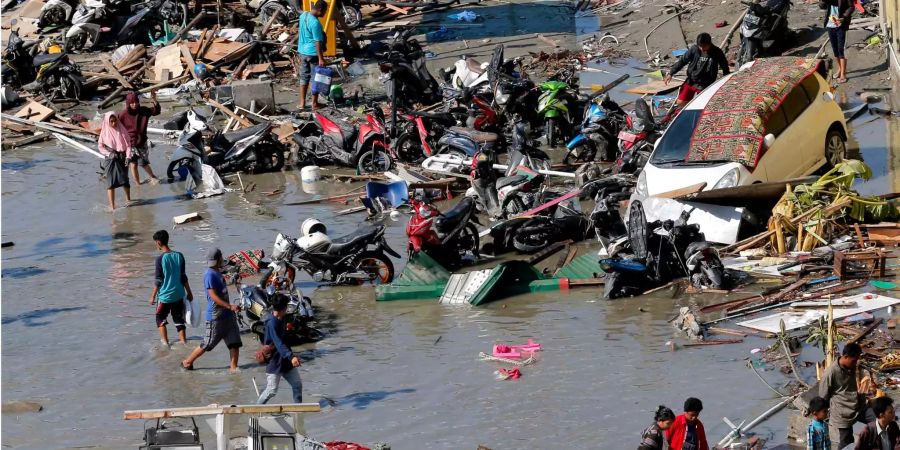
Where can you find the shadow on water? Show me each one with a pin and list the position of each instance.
(21, 165)
(22, 272)
(310, 355)
(505, 20)
(31, 318)
(90, 246)
(362, 400)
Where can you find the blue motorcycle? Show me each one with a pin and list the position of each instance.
(603, 119)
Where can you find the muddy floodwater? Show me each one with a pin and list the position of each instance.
(79, 335)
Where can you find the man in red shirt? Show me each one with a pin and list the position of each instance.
(687, 432)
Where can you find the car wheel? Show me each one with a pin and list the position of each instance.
(835, 148)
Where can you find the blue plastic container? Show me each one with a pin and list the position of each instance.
(321, 83)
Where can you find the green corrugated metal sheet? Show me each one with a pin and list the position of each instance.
(582, 267)
(422, 278)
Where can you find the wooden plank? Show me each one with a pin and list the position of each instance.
(713, 342)
(398, 9)
(229, 113)
(39, 137)
(35, 112)
(694, 188)
(865, 331)
(111, 69)
(144, 414)
(190, 61)
(654, 88)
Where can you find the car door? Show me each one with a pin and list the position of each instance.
(793, 152)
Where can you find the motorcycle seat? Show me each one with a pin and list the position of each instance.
(351, 240)
(440, 117)
(506, 181)
(47, 58)
(234, 136)
(480, 137)
(447, 221)
(474, 66)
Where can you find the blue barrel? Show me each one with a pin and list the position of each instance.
(322, 80)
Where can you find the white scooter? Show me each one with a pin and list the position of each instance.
(468, 73)
(86, 25)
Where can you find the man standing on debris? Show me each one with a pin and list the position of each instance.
(171, 288)
(310, 45)
(221, 321)
(703, 62)
(838, 386)
(135, 118)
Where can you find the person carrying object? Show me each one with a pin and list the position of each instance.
(654, 437)
(847, 406)
(687, 432)
(221, 318)
(310, 46)
(170, 289)
(114, 145)
(283, 363)
(135, 118)
(703, 62)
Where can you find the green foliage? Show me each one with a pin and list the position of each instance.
(837, 185)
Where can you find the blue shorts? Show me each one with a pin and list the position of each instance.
(307, 65)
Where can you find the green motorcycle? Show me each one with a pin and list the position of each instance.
(554, 105)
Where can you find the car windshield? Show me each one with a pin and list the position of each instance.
(674, 145)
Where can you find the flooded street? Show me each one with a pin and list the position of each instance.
(79, 335)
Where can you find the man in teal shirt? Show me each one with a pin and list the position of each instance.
(170, 288)
(310, 44)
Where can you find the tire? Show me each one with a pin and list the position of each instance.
(259, 329)
(526, 244)
(379, 266)
(551, 132)
(52, 17)
(268, 10)
(274, 161)
(715, 273)
(469, 240)
(409, 148)
(835, 149)
(75, 43)
(586, 153)
(174, 165)
(513, 206)
(352, 16)
(375, 160)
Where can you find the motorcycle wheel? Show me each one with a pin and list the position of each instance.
(175, 165)
(352, 16)
(259, 329)
(76, 43)
(409, 148)
(469, 241)
(377, 265)
(715, 273)
(513, 206)
(551, 132)
(269, 10)
(586, 153)
(375, 160)
(52, 17)
(274, 161)
(611, 286)
(528, 243)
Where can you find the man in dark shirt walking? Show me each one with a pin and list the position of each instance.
(703, 62)
(170, 289)
(283, 363)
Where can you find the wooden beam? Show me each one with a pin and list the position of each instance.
(190, 62)
(111, 69)
(865, 331)
(144, 414)
(243, 121)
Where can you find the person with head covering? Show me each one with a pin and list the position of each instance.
(115, 146)
(221, 319)
(135, 119)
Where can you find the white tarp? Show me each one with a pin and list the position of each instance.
(210, 183)
(800, 319)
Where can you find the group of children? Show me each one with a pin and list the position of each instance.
(685, 432)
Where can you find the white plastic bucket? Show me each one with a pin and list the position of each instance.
(310, 174)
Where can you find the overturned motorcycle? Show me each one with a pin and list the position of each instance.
(356, 258)
(256, 303)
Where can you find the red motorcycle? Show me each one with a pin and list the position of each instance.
(637, 139)
(419, 136)
(446, 237)
(330, 138)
